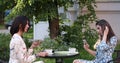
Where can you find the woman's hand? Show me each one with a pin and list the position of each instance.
(76, 61)
(35, 44)
(86, 46)
(106, 31)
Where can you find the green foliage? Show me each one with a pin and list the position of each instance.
(54, 44)
(73, 34)
(49, 44)
(40, 9)
(4, 46)
(73, 37)
(5, 5)
(80, 29)
(29, 34)
(17, 10)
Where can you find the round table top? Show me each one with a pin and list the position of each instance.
(61, 54)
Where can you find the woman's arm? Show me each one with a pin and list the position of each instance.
(22, 54)
(86, 47)
(105, 46)
(28, 56)
(113, 41)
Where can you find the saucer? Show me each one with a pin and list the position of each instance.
(50, 53)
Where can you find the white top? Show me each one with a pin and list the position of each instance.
(19, 52)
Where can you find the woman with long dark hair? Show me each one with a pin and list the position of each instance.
(105, 48)
(18, 50)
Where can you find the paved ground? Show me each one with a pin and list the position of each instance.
(4, 31)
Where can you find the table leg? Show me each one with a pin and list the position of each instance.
(59, 60)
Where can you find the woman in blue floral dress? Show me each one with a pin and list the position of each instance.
(105, 48)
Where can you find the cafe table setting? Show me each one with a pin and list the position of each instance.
(59, 56)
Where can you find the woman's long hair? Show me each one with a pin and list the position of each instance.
(19, 23)
(103, 23)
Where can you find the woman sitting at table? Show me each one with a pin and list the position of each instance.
(105, 48)
(18, 50)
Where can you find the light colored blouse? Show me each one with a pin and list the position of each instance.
(19, 52)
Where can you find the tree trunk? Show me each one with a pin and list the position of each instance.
(54, 27)
(54, 23)
(1, 18)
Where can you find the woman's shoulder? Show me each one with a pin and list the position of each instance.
(15, 38)
(113, 39)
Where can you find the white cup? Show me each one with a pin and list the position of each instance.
(49, 51)
(72, 50)
(38, 62)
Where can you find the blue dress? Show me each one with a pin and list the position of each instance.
(103, 51)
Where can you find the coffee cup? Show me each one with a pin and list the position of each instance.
(49, 51)
(72, 50)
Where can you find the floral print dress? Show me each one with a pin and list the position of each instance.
(19, 52)
(103, 52)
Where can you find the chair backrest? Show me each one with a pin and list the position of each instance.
(117, 52)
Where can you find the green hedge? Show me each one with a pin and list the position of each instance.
(4, 46)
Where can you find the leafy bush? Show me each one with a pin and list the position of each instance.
(73, 38)
(74, 35)
(54, 44)
(29, 34)
(4, 46)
